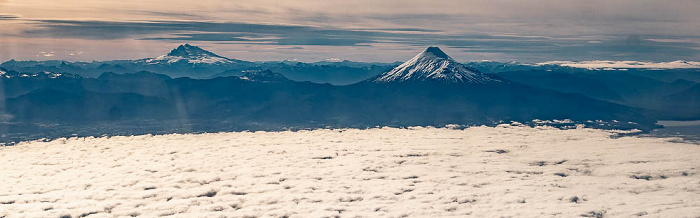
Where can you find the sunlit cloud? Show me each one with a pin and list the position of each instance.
(46, 54)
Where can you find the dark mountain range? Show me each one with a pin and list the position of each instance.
(194, 62)
(85, 107)
(333, 73)
(429, 89)
(619, 87)
(264, 76)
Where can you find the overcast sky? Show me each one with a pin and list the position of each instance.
(359, 30)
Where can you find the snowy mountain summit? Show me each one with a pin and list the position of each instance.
(434, 65)
(191, 54)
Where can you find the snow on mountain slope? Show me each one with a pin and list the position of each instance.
(44, 75)
(624, 64)
(505, 171)
(264, 76)
(191, 54)
(434, 65)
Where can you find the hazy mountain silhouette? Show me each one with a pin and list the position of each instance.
(429, 89)
(192, 61)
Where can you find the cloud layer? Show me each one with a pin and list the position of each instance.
(386, 172)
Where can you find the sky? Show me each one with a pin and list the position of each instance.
(357, 30)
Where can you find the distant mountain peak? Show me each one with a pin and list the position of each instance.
(434, 65)
(190, 54)
(190, 51)
(434, 51)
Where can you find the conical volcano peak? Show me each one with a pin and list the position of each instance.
(435, 51)
(190, 54)
(434, 65)
(188, 51)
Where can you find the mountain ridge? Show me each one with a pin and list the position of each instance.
(430, 89)
(264, 76)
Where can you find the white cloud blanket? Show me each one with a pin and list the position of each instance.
(386, 172)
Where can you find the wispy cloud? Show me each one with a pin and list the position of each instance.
(46, 54)
(171, 15)
(539, 48)
(536, 30)
(9, 16)
(208, 31)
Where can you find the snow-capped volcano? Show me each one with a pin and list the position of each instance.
(191, 54)
(434, 65)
